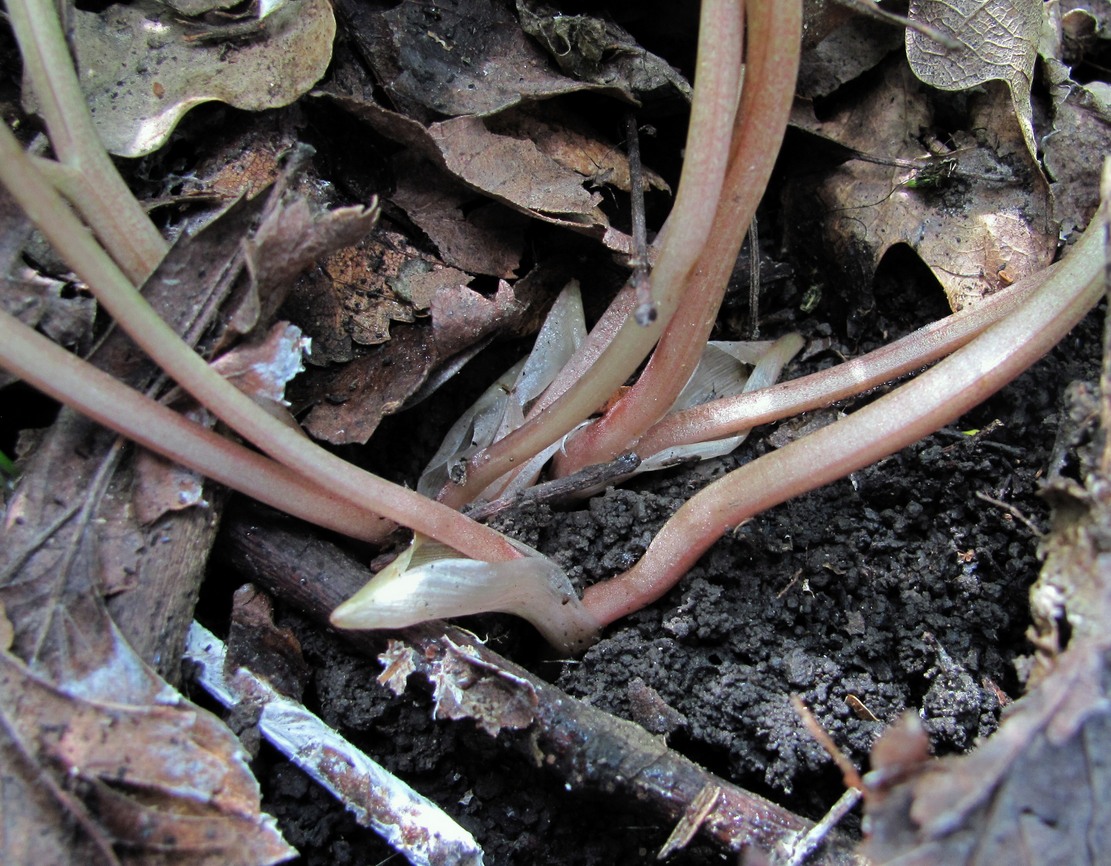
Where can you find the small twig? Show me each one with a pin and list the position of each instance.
(559, 490)
(1013, 511)
(412, 824)
(809, 843)
(754, 280)
(849, 773)
(646, 312)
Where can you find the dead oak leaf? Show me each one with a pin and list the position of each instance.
(512, 170)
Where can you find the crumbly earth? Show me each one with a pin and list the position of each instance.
(901, 588)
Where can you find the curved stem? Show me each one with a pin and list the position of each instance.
(712, 112)
(97, 189)
(104, 399)
(732, 415)
(238, 411)
(934, 399)
(771, 67)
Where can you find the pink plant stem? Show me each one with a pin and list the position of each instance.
(910, 412)
(99, 396)
(771, 67)
(732, 415)
(288, 446)
(714, 106)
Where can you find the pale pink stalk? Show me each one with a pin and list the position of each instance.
(771, 67)
(91, 180)
(106, 400)
(732, 415)
(712, 112)
(910, 412)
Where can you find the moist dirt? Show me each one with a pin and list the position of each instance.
(901, 588)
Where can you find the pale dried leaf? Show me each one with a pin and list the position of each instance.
(142, 68)
(998, 39)
(262, 370)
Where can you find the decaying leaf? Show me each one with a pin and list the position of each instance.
(96, 777)
(35, 299)
(354, 399)
(142, 67)
(1081, 130)
(976, 213)
(468, 58)
(497, 158)
(998, 41)
(597, 50)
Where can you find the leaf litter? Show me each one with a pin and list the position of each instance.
(476, 218)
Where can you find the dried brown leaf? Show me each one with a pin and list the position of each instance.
(478, 237)
(509, 168)
(294, 234)
(999, 42)
(469, 58)
(983, 224)
(512, 170)
(115, 781)
(350, 402)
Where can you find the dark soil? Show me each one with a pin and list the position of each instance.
(900, 587)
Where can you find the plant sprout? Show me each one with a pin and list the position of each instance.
(458, 565)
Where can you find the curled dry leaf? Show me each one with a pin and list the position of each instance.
(142, 68)
(87, 777)
(350, 402)
(976, 214)
(595, 49)
(998, 41)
